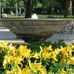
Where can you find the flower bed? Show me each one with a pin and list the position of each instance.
(48, 58)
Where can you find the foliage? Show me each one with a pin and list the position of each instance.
(11, 3)
(4, 3)
(48, 6)
(48, 60)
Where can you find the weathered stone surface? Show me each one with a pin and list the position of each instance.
(66, 34)
(68, 29)
(35, 27)
(61, 36)
(65, 28)
(6, 34)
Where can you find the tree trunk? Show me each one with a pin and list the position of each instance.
(28, 9)
(68, 9)
(0, 10)
(19, 11)
(16, 9)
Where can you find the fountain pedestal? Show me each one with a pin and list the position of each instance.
(6, 34)
(66, 34)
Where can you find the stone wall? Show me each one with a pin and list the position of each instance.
(34, 27)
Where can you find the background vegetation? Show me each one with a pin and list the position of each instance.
(41, 7)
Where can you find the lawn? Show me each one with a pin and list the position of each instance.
(41, 17)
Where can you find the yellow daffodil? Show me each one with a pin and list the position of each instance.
(53, 55)
(26, 70)
(49, 48)
(63, 72)
(69, 50)
(12, 50)
(36, 55)
(37, 67)
(41, 68)
(9, 72)
(7, 59)
(45, 55)
(63, 50)
(3, 44)
(17, 60)
(57, 51)
(71, 60)
(24, 51)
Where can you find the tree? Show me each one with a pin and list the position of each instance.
(4, 3)
(68, 8)
(49, 4)
(72, 7)
(28, 9)
(20, 6)
(52, 4)
(0, 10)
(34, 3)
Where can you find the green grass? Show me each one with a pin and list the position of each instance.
(14, 16)
(55, 17)
(41, 17)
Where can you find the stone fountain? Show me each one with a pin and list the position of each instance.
(66, 34)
